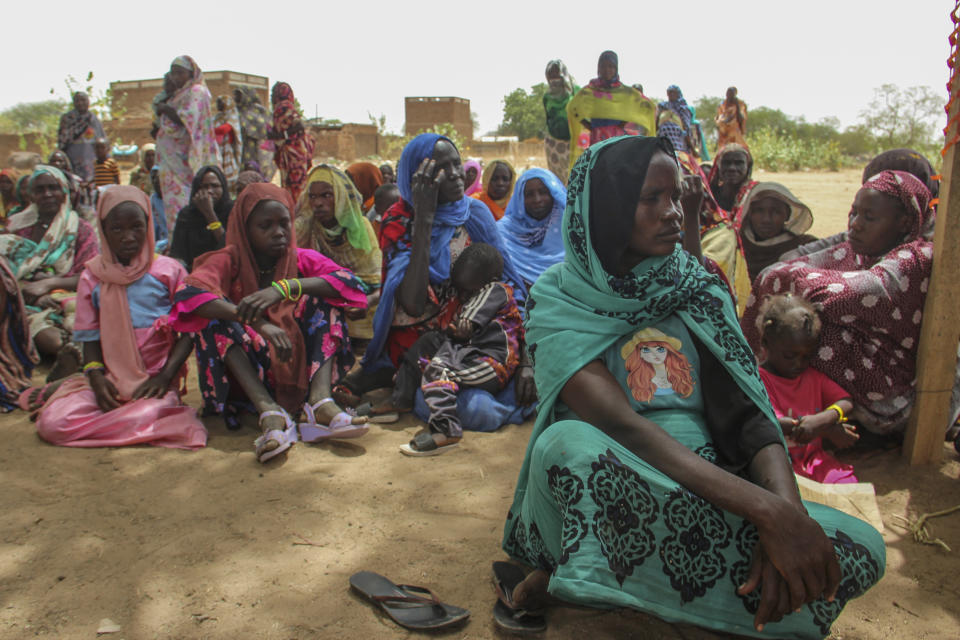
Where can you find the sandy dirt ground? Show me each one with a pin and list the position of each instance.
(211, 544)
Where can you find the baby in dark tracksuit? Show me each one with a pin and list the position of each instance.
(480, 348)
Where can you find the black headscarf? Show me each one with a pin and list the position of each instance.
(616, 181)
(191, 238)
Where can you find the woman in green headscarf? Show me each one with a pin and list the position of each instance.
(330, 220)
(656, 477)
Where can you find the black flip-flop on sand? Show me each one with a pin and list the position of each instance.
(506, 577)
(409, 606)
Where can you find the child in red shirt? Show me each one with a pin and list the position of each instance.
(810, 405)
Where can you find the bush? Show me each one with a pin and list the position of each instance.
(774, 151)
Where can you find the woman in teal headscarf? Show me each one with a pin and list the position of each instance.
(656, 465)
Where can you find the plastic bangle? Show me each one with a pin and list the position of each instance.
(840, 413)
(213, 226)
(299, 289)
(276, 285)
(286, 289)
(90, 366)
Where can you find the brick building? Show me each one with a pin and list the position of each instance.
(425, 112)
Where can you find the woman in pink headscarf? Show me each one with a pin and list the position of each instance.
(869, 292)
(128, 393)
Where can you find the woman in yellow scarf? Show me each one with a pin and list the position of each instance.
(330, 220)
(607, 108)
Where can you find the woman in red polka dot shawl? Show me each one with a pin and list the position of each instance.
(869, 291)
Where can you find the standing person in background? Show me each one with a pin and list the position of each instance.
(79, 128)
(498, 178)
(674, 120)
(294, 153)
(140, 176)
(731, 120)
(226, 123)
(607, 108)
(185, 142)
(254, 124)
(556, 141)
(106, 171)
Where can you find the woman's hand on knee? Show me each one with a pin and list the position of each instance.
(253, 306)
(774, 593)
(108, 398)
(154, 387)
(278, 338)
(801, 552)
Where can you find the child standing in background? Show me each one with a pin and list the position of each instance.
(106, 171)
(810, 405)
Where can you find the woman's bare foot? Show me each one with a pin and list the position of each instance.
(531, 594)
(67, 363)
(36, 397)
(842, 435)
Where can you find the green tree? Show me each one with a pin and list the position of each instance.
(523, 114)
(706, 107)
(39, 117)
(904, 117)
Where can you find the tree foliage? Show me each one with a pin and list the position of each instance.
(28, 117)
(523, 114)
(894, 118)
(706, 107)
(903, 117)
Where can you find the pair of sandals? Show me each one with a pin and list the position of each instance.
(420, 609)
(341, 427)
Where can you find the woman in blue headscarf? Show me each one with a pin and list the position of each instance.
(530, 226)
(421, 236)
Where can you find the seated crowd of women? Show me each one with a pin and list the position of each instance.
(482, 298)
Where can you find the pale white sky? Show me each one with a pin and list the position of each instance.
(815, 58)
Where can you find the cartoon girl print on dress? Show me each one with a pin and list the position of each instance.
(655, 366)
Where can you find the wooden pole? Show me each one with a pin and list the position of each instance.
(940, 332)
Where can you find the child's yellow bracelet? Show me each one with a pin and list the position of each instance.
(842, 418)
(213, 226)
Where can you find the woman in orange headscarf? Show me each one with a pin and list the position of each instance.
(366, 177)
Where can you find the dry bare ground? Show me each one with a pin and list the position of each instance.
(210, 544)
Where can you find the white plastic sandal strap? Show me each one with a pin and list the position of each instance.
(281, 413)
